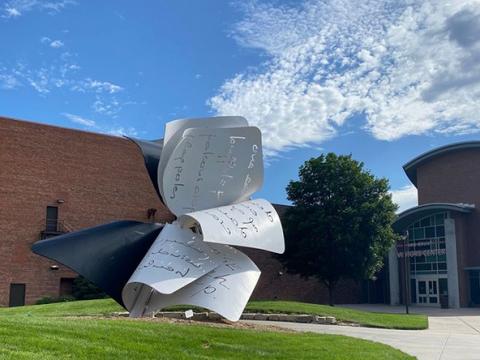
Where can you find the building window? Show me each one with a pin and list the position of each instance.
(427, 259)
(426, 244)
(52, 219)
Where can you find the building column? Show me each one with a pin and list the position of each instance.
(452, 267)
(393, 276)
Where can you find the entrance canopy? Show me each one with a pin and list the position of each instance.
(408, 217)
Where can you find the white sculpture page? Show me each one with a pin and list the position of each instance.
(253, 223)
(174, 132)
(213, 167)
(225, 290)
(177, 257)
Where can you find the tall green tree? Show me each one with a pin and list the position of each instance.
(340, 224)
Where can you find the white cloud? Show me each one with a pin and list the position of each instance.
(80, 120)
(16, 8)
(63, 74)
(56, 44)
(92, 125)
(107, 106)
(11, 12)
(405, 197)
(121, 131)
(8, 82)
(97, 86)
(45, 79)
(54, 7)
(52, 43)
(410, 67)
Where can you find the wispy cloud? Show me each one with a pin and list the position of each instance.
(121, 131)
(11, 12)
(107, 106)
(52, 43)
(8, 81)
(80, 120)
(408, 67)
(56, 44)
(17, 8)
(97, 86)
(63, 74)
(92, 125)
(44, 79)
(54, 72)
(405, 197)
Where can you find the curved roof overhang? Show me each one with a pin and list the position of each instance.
(408, 217)
(411, 167)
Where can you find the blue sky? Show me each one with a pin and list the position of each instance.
(384, 80)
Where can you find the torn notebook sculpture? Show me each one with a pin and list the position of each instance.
(204, 171)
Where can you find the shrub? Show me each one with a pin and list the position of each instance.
(84, 289)
(51, 300)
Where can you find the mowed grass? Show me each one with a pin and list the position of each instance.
(364, 318)
(101, 307)
(77, 330)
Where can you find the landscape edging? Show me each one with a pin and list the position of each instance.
(205, 316)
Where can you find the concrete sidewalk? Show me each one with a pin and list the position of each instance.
(454, 336)
(425, 310)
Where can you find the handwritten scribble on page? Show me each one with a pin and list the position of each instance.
(253, 223)
(225, 290)
(213, 167)
(174, 131)
(176, 258)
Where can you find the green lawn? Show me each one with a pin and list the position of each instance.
(108, 306)
(364, 318)
(50, 332)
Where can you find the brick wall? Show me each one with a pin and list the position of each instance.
(454, 178)
(276, 283)
(100, 179)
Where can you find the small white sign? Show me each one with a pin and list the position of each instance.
(188, 314)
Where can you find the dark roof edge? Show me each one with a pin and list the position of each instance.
(465, 208)
(410, 168)
(409, 216)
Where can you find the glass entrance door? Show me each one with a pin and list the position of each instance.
(433, 292)
(427, 292)
(475, 287)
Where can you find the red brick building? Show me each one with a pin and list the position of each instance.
(55, 180)
(443, 245)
